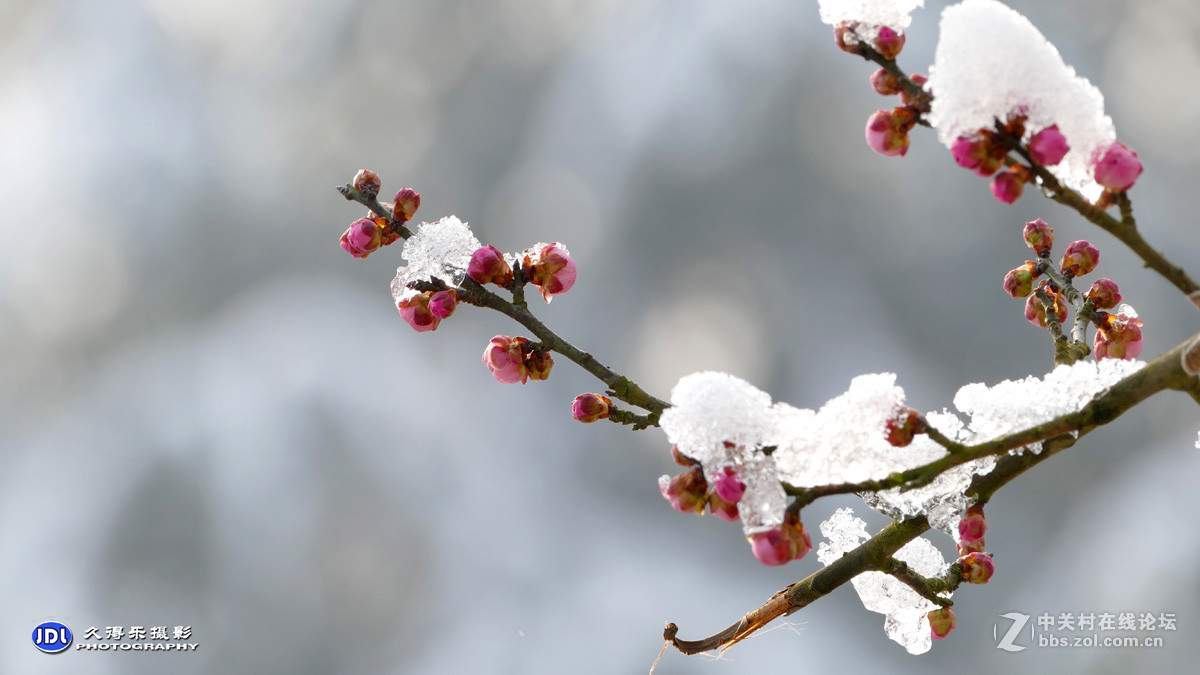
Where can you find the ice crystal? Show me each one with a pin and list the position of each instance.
(441, 249)
(903, 608)
(990, 63)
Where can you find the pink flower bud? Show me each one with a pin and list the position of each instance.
(407, 201)
(977, 568)
(783, 544)
(390, 235)
(941, 622)
(1035, 309)
(367, 182)
(488, 266)
(904, 424)
(889, 43)
(1007, 186)
(1120, 336)
(1039, 236)
(687, 491)
(729, 486)
(416, 312)
(845, 38)
(539, 364)
(722, 509)
(885, 136)
(1104, 294)
(505, 357)
(885, 83)
(1048, 146)
(551, 269)
(1079, 259)
(981, 154)
(442, 304)
(1118, 168)
(917, 79)
(1018, 283)
(973, 525)
(588, 408)
(362, 238)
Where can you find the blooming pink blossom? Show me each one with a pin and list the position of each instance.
(505, 357)
(416, 312)
(362, 238)
(1119, 338)
(1048, 146)
(1118, 168)
(552, 270)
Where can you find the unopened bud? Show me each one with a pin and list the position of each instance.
(1039, 236)
(407, 201)
(1048, 146)
(1018, 283)
(941, 622)
(903, 425)
(889, 43)
(1079, 258)
(362, 238)
(367, 182)
(687, 491)
(977, 568)
(1117, 168)
(588, 408)
(1104, 294)
(885, 83)
(442, 303)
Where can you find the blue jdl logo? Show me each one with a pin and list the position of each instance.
(51, 637)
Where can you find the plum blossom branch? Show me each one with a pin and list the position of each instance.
(1165, 372)
(620, 386)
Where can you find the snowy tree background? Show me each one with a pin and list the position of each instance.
(193, 434)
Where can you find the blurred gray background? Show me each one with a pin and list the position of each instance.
(212, 416)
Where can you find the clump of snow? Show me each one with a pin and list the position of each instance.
(1013, 405)
(905, 610)
(870, 14)
(996, 411)
(991, 62)
(843, 441)
(441, 249)
(720, 420)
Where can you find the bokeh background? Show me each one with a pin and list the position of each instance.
(212, 416)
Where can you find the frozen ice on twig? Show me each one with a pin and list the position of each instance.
(991, 62)
(441, 249)
(904, 609)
